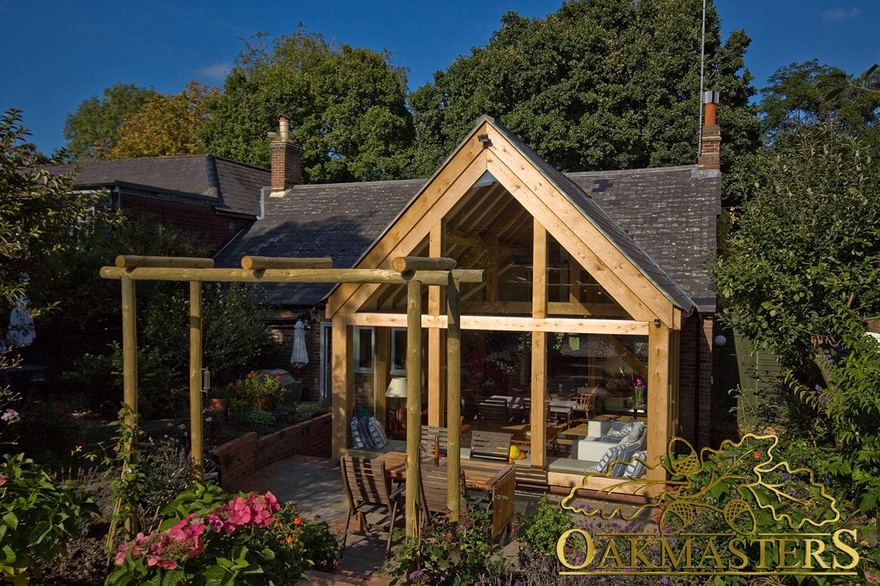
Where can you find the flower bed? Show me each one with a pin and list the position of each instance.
(247, 454)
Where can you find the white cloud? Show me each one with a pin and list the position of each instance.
(216, 71)
(833, 14)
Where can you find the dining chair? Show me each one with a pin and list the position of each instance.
(368, 489)
(435, 493)
(490, 445)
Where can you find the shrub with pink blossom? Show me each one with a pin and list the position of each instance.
(236, 541)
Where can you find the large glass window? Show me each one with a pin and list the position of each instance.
(363, 349)
(398, 351)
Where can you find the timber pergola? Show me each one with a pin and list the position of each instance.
(494, 198)
(414, 272)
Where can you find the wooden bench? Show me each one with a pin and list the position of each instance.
(490, 445)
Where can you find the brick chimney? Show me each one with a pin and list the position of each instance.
(709, 158)
(286, 159)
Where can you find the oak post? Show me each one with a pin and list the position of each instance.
(413, 404)
(195, 379)
(453, 399)
(129, 380)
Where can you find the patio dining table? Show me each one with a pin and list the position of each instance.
(495, 478)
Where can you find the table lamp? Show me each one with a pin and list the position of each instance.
(397, 390)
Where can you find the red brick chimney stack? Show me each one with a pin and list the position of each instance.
(709, 158)
(286, 158)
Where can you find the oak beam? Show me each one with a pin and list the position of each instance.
(368, 276)
(259, 263)
(617, 327)
(129, 261)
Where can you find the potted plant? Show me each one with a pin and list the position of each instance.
(260, 390)
(218, 398)
(639, 392)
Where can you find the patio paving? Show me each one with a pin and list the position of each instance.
(315, 485)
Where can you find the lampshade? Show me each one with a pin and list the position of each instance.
(397, 388)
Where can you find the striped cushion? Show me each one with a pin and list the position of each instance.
(357, 442)
(637, 467)
(364, 432)
(611, 454)
(625, 457)
(377, 434)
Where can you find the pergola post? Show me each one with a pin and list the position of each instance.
(413, 404)
(453, 398)
(129, 380)
(195, 379)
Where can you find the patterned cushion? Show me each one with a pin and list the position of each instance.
(618, 430)
(377, 434)
(634, 435)
(357, 442)
(636, 468)
(364, 432)
(611, 454)
(625, 457)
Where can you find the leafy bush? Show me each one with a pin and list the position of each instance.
(454, 553)
(262, 420)
(37, 517)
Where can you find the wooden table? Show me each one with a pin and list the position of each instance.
(496, 478)
(577, 432)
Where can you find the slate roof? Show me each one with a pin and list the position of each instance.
(671, 213)
(234, 186)
(664, 219)
(336, 220)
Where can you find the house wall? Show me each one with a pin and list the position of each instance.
(695, 381)
(282, 327)
(193, 216)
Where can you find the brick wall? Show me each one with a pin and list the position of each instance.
(286, 159)
(196, 217)
(243, 456)
(695, 380)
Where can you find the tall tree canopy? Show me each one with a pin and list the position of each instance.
(600, 84)
(92, 130)
(809, 94)
(166, 125)
(347, 107)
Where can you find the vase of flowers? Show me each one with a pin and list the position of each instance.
(639, 392)
(260, 390)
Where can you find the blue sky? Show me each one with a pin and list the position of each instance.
(58, 53)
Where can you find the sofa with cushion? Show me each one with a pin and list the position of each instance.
(593, 448)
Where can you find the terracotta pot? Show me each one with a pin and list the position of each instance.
(264, 403)
(219, 405)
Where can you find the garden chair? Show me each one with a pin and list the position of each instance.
(368, 489)
(490, 445)
(435, 493)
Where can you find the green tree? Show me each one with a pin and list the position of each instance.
(809, 94)
(606, 84)
(40, 221)
(92, 130)
(347, 107)
(800, 276)
(166, 125)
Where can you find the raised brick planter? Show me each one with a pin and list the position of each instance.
(247, 454)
